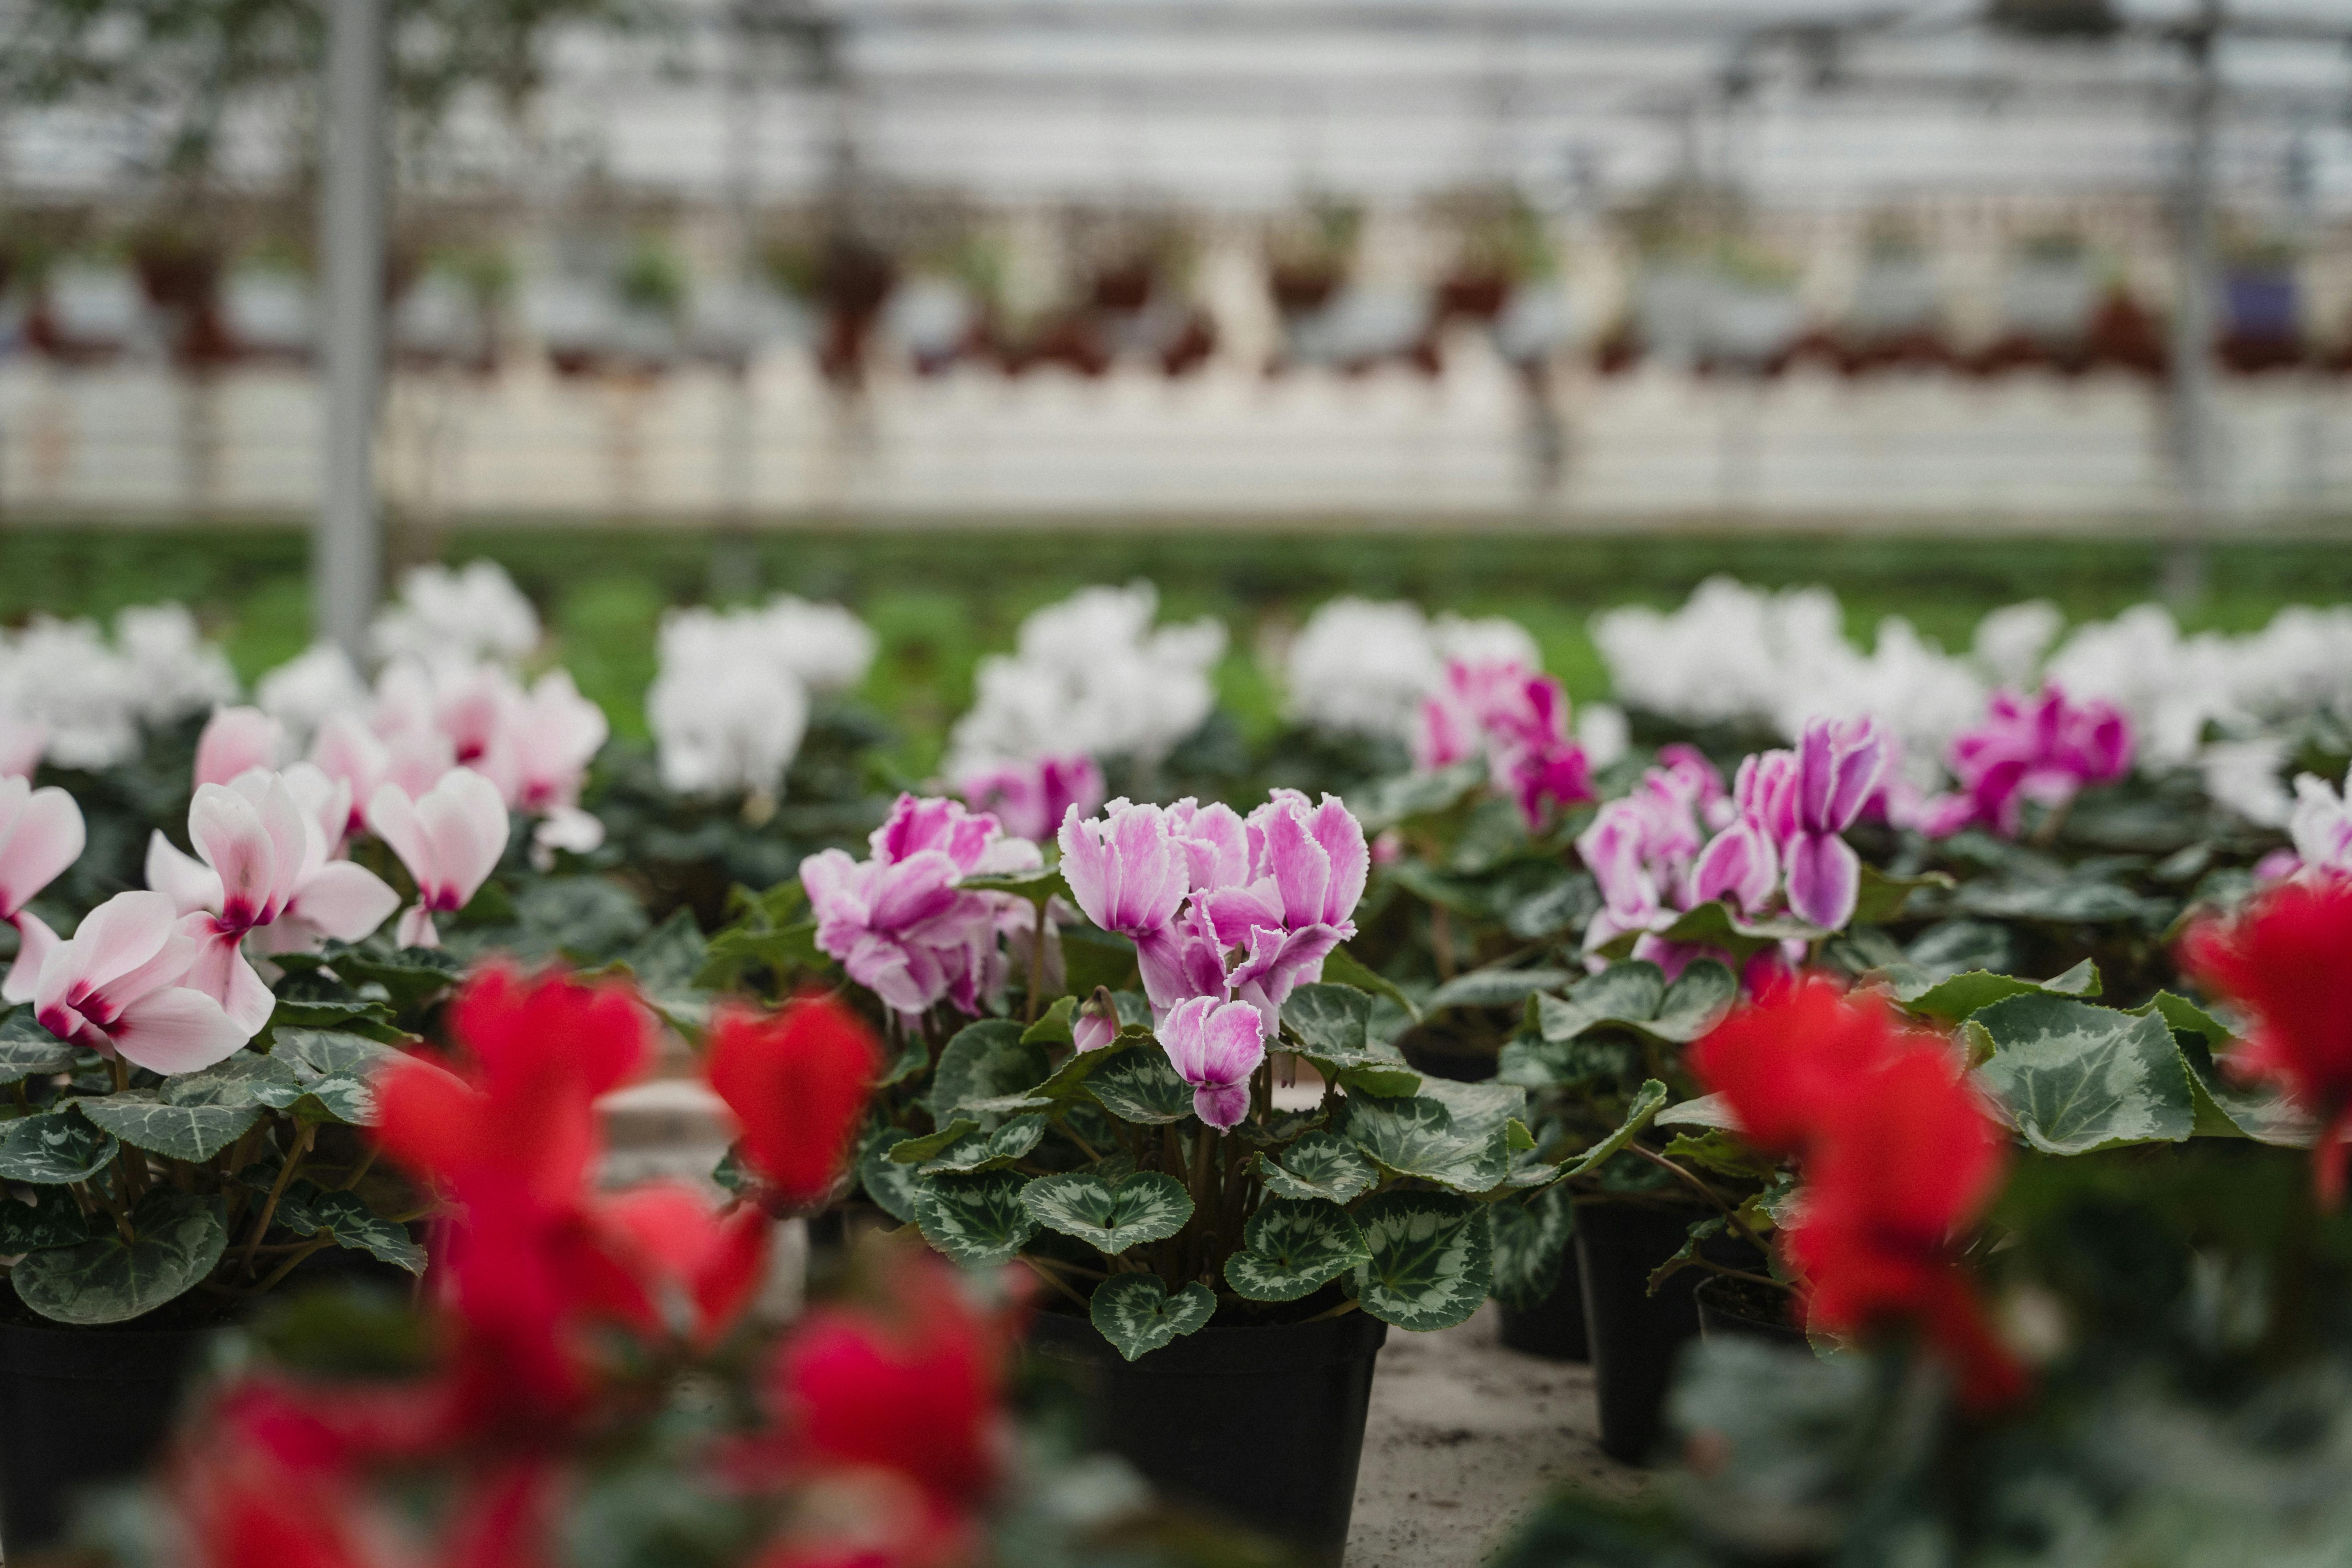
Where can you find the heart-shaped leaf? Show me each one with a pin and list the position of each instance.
(1109, 1214)
(411, 976)
(1963, 994)
(2077, 1077)
(1634, 996)
(891, 1185)
(52, 1147)
(192, 1132)
(985, 1060)
(1331, 1028)
(978, 1151)
(1455, 1134)
(1137, 1315)
(2224, 1106)
(1319, 1166)
(1431, 1258)
(1531, 1238)
(1141, 1086)
(1293, 1247)
(978, 1220)
(178, 1237)
(306, 1209)
(334, 1075)
(45, 1219)
(1330, 1020)
(28, 1050)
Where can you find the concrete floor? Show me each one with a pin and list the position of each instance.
(1464, 1437)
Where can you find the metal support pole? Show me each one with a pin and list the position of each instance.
(347, 552)
(2194, 445)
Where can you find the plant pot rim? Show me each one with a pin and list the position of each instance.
(1250, 1351)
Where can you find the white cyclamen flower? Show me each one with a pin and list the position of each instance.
(462, 617)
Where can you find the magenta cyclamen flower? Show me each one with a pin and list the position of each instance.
(1031, 799)
(2043, 749)
(899, 921)
(41, 833)
(115, 988)
(1214, 1047)
(1126, 871)
(1515, 718)
(1307, 868)
(1838, 764)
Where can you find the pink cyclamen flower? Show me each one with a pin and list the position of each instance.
(2045, 749)
(1125, 869)
(1032, 798)
(1215, 1046)
(1518, 718)
(1838, 764)
(115, 988)
(261, 871)
(1307, 868)
(553, 734)
(899, 921)
(234, 740)
(41, 833)
(22, 742)
(1215, 841)
(450, 839)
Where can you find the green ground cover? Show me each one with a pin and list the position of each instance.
(940, 598)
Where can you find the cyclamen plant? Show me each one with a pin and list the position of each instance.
(192, 1064)
(1146, 1155)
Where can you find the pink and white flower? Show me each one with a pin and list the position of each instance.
(234, 740)
(900, 922)
(115, 987)
(1032, 798)
(262, 872)
(2045, 749)
(450, 839)
(1215, 1046)
(41, 833)
(1838, 767)
(1127, 872)
(1518, 720)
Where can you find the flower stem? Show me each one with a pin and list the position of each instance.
(277, 1191)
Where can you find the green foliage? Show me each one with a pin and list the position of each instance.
(979, 1221)
(1109, 1213)
(176, 1239)
(1293, 1247)
(1137, 1315)
(1431, 1258)
(1318, 1166)
(2077, 1077)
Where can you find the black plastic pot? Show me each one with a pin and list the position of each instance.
(1264, 1426)
(1634, 1335)
(1733, 1306)
(1553, 1327)
(80, 1406)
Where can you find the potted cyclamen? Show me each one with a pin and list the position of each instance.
(1223, 1270)
(182, 1133)
(1703, 891)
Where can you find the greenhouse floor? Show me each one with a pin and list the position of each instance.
(1465, 1436)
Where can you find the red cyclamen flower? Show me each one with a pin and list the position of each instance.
(2287, 961)
(915, 1393)
(1784, 1060)
(1899, 1155)
(798, 1081)
(1906, 1161)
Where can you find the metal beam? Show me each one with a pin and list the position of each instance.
(347, 549)
(2196, 457)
